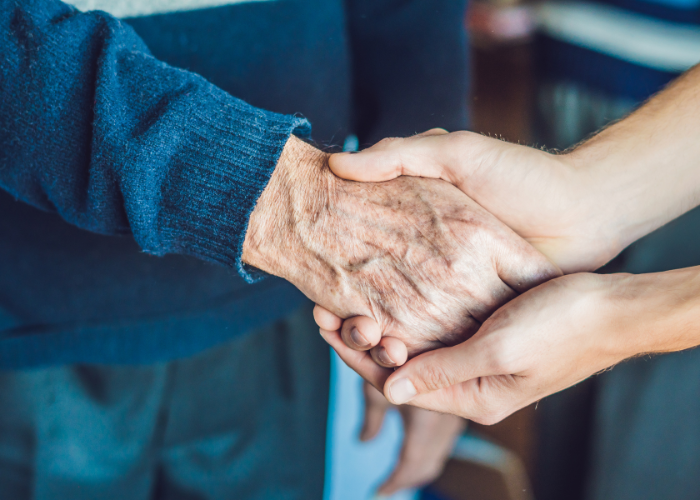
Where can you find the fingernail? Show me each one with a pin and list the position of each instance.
(384, 357)
(358, 339)
(402, 391)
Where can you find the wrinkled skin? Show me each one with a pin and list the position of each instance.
(416, 255)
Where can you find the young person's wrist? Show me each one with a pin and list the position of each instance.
(652, 313)
(647, 164)
(593, 217)
(673, 298)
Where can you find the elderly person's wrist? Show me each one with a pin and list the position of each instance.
(297, 191)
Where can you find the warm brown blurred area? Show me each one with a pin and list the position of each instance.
(502, 471)
(503, 91)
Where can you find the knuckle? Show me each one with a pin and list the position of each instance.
(499, 358)
(465, 134)
(436, 131)
(388, 141)
(392, 162)
(489, 417)
(490, 414)
(434, 377)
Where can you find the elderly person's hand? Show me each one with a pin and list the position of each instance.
(417, 256)
(545, 198)
(427, 443)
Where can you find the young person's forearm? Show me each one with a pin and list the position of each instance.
(654, 313)
(645, 170)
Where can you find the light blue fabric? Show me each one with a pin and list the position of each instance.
(354, 469)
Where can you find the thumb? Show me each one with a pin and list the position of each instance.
(439, 369)
(417, 156)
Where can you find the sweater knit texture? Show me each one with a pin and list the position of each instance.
(128, 169)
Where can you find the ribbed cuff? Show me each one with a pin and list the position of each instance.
(226, 157)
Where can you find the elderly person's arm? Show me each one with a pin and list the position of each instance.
(580, 208)
(95, 128)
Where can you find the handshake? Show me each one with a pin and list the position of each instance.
(450, 269)
(421, 244)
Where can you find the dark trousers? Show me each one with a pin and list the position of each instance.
(246, 420)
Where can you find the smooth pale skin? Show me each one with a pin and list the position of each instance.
(580, 209)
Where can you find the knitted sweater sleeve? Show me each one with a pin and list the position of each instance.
(117, 142)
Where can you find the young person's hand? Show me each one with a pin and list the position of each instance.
(427, 442)
(545, 340)
(580, 208)
(543, 197)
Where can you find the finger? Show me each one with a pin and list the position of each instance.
(406, 474)
(326, 319)
(418, 156)
(428, 441)
(361, 333)
(522, 267)
(366, 166)
(464, 400)
(433, 131)
(376, 407)
(390, 352)
(359, 361)
(439, 369)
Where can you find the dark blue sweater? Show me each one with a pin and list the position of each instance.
(104, 137)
